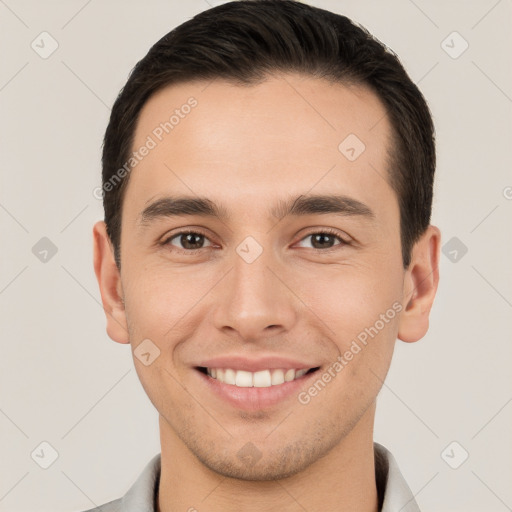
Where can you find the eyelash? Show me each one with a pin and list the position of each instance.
(324, 231)
(327, 231)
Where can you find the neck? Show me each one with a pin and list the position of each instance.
(342, 480)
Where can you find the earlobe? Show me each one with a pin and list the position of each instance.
(420, 286)
(109, 281)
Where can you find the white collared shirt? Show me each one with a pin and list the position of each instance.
(392, 489)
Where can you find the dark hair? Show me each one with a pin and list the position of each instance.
(248, 40)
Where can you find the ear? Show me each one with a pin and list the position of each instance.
(109, 280)
(420, 286)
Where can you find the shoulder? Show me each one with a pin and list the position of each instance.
(111, 506)
(142, 494)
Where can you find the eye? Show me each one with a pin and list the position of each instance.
(325, 239)
(188, 240)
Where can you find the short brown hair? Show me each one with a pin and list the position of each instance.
(244, 42)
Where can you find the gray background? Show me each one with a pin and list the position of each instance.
(64, 382)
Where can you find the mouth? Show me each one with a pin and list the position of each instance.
(260, 379)
(254, 383)
(253, 391)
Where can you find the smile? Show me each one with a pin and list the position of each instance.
(259, 379)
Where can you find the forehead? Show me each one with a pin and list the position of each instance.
(287, 135)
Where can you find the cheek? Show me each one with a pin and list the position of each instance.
(352, 299)
(359, 313)
(161, 309)
(162, 299)
(360, 319)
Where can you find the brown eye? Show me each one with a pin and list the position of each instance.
(324, 240)
(189, 240)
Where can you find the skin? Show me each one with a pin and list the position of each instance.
(246, 148)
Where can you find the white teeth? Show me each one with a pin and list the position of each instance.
(243, 379)
(289, 375)
(230, 376)
(261, 379)
(277, 377)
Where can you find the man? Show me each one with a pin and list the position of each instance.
(267, 179)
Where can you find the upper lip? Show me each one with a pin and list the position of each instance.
(254, 365)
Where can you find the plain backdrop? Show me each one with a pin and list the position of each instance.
(65, 383)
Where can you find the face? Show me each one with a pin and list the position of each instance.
(259, 236)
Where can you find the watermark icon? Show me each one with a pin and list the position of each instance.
(455, 455)
(44, 45)
(249, 249)
(44, 250)
(151, 142)
(454, 249)
(356, 346)
(351, 147)
(44, 455)
(249, 454)
(507, 192)
(146, 352)
(454, 45)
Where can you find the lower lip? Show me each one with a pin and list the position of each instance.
(255, 399)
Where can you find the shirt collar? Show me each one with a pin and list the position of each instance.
(394, 493)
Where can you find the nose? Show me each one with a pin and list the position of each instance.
(254, 301)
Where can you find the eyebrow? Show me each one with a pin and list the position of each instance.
(180, 206)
